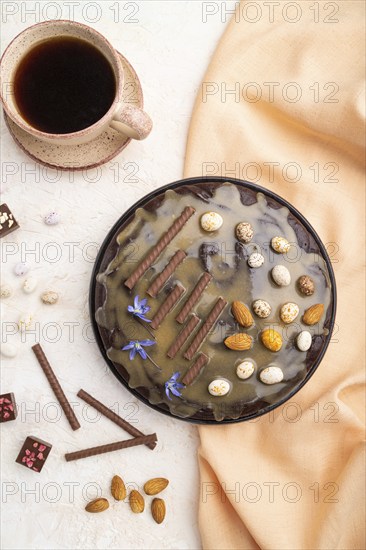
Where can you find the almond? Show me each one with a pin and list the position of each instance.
(271, 339)
(239, 342)
(155, 485)
(242, 314)
(118, 488)
(313, 314)
(158, 510)
(97, 505)
(137, 502)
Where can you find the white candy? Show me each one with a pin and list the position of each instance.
(280, 245)
(53, 218)
(281, 275)
(25, 322)
(30, 284)
(245, 369)
(262, 308)
(49, 297)
(271, 375)
(255, 260)
(219, 387)
(5, 291)
(211, 221)
(21, 268)
(289, 312)
(304, 340)
(8, 350)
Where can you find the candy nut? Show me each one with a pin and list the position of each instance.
(219, 387)
(49, 297)
(289, 312)
(281, 275)
(245, 369)
(255, 260)
(5, 291)
(304, 340)
(211, 221)
(271, 375)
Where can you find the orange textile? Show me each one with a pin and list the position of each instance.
(283, 104)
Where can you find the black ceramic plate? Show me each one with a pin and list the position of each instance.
(311, 242)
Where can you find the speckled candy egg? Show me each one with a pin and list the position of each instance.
(255, 260)
(52, 218)
(30, 285)
(280, 245)
(5, 291)
(21, 269)
(306, 285)
(219, 387)
(262, 308)
(211, 221)
(271, 375)
(244, 232)
(245, 369)
(289, 312)
(304, 340)
(281, 275)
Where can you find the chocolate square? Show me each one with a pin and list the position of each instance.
(34, 453)
(7, 221)
(8, 407)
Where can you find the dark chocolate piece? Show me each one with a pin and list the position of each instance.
(195, 295)
(93, 451)
(98, 406)
(208, 325)
(168, 270)
(34, 453)
(156, 250)
(183, 336)
(8, 407)
(168, 304)
(8, 223)
(195, 369)
(56, 387)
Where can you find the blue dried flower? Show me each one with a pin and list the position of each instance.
(139, 309)
(137, 346)
(173, 386)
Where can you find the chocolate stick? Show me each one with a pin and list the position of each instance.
(93, 451)
(167, 306)
(98, 406)
(56, 387)
(194, 297)
(168, 270)
(212, 317)
(183, 336)
(156, 250)
(195, 369)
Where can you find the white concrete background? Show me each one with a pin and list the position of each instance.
(170, 47)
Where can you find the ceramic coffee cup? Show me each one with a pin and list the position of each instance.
(125, 118)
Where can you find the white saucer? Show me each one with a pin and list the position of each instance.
(88, 155)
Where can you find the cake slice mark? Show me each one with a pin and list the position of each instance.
(195, 295)
(161, 245)
(167, 272)
(210, 322)
(183, 336)
(168, 304)
(195, 369)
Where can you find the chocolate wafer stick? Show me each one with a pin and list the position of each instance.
(156, 250)
(194, 297)
(212, 317)
(105, 411)
(183, 336)
(195, 369)
(93, 451)
(167, 306)
(56, 387)
(168, 270)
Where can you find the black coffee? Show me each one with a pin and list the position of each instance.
(64, 85)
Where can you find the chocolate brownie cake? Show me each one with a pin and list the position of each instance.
(213, 301)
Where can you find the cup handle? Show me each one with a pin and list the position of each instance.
(132, 121)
